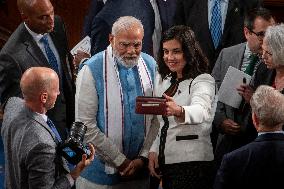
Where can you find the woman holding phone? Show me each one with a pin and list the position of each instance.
(182, 150)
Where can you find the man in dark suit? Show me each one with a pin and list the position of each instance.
(198, 14)
(235, 124)
(95, 7)
(30, 139)
(260, 163)
(167, 12)
(39, 41)
(114, 9)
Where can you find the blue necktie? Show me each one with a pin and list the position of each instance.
(50, 55)
(57, 136)
(216, 23)
(54, 130)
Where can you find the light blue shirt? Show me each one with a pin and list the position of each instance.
(224, 8)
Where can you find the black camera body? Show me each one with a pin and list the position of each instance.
(73, 147)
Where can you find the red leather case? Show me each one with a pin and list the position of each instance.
(150, 105)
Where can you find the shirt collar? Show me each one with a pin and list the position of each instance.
(36, 36)
(43, 116)
(247, 50)
(261, 133)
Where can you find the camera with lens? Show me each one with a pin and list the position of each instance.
(73, 147)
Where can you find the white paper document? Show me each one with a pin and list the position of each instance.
(228, 93)
(83, 45)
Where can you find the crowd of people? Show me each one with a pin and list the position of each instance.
(178, 51)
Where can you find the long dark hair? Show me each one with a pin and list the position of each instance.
(196, 62)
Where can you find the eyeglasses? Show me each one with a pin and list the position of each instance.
(260, 35)
(264, 52)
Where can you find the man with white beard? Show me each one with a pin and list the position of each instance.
(107, 86)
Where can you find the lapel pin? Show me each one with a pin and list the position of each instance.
(236, 9)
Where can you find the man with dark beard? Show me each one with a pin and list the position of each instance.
(107, 86)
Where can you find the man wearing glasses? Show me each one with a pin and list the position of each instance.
(235, 125)
(107, 86)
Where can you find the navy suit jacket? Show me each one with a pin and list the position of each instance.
(194, 13)
(112, 10)
(21, 53)
(167, 11)
(259, 164)
(95, 7)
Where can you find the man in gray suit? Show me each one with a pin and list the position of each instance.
(235, 125)
(30, 140)
(40, 40)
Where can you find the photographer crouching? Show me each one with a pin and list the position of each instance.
(32, 145)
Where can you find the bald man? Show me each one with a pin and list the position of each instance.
(29, 139)
(40, 40)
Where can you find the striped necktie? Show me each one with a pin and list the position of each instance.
(250, 67)
(216, 23)
(50, 55)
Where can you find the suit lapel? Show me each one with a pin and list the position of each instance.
(232, 11)
(54, 36)
(42, 123)
(204, 8)
(241, 55)
(33, 49)
(57, 41)
(57, 45)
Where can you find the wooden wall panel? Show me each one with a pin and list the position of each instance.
(72, 12)
(277, 8)
(9, 19)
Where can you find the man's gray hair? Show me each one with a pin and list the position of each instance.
(275, 40)
(268, 105)
(125, 23)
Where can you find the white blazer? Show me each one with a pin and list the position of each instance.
(198, 102)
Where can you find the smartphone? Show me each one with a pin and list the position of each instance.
(244, 80)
